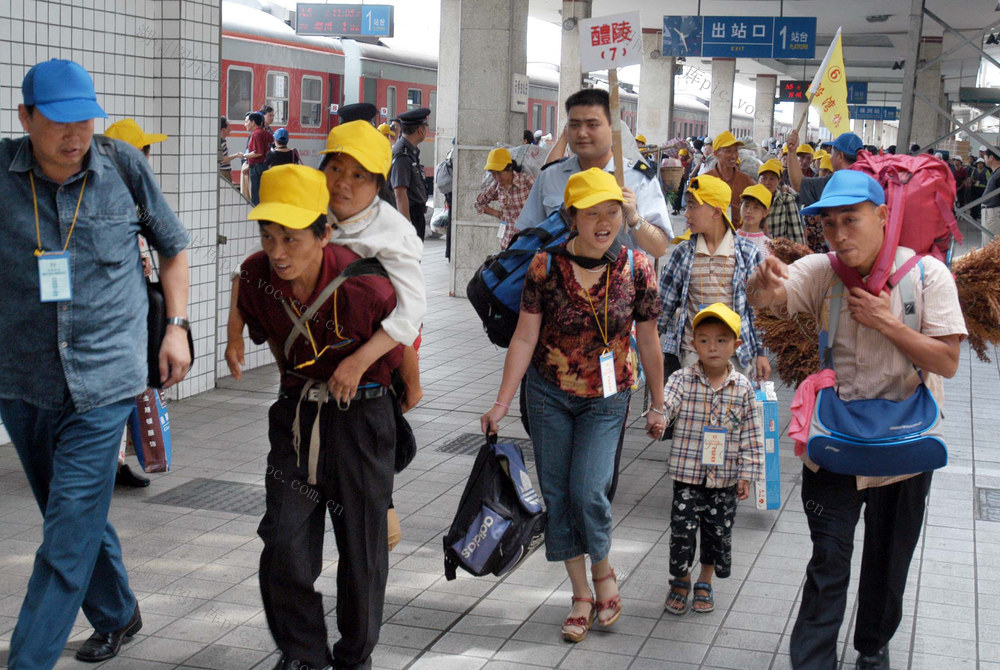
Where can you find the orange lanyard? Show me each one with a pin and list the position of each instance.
(607, 290)
(38, 233)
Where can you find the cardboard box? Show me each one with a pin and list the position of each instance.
(768, 490)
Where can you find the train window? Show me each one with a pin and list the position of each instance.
(414, 98)
(536, 116)
(239, 92)
(552, 121)
(432, 119)
(390, 102)
(312, 101)
(277, 96)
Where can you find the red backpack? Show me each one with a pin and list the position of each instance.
(920, 193)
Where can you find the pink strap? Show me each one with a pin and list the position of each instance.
(804, 404)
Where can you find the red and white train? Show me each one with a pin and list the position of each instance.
(265, 62)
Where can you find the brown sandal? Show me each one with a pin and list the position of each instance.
(582, 622)
(614, 603)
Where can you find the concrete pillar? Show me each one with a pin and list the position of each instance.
(763, 116)
(492, 47)
(570, 77)
(879, 141)
(720, 109)
(656, 90)
(925, 120)
(447, 84)
(797, 110)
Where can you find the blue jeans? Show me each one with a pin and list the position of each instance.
(575, 440)
(255, 173)
(70, 460)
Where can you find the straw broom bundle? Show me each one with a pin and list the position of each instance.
(977, 275)
(792, 339)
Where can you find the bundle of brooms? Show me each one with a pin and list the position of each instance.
(793, 340)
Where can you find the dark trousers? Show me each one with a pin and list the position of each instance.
(417, 216)
(255, 173)
(710, 510)
(893, 518)
(354, 486)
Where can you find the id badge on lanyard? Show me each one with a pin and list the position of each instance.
(54, 282)
(713, 445)
(608, 379)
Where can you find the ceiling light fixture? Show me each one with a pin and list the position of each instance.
(877, 18)
(992, 39)
(898, 65)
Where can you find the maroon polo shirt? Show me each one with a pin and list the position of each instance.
(260, 143)
(361, 305)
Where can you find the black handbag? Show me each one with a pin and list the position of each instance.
(406, 443)
(156, 325)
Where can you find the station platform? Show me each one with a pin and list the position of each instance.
(192, 551)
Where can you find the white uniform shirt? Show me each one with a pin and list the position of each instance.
(546, 197)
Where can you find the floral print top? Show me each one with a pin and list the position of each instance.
(570, 342)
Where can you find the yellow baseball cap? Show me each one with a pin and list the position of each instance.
(771, 165)
(362, 142)
(129, 130)
(725, 139)
(826, 164)
(385, 129)
(720, 311)
(498, 159)
(590, 187)
(293, 195)
(683, 152)
(712, 191)
(784, 150)
(819, 153)
(759, 193)
(640, 138)
(805, 149)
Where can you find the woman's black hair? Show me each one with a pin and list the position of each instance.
(318, 227)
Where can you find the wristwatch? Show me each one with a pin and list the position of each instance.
(179, 321)
(637, 225)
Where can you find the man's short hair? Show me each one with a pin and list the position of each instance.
(266, 109)
(318, 227)
(256, 117)
(410, 128)
(848, 158)
(993, 152)
(590, 97)
(223, 123)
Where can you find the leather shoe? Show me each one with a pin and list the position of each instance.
(284, 663)
(877, 661)
(126, 477)
(102, 646)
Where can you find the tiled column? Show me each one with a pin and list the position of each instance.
(570, 77)
(656, 90)
(926, 121)
(447, 84)
(763, 116)
(720, 110)
(492, 48)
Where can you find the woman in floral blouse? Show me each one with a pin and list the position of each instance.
(572, 339)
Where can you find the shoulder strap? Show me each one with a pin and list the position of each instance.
(106, 146)
(360, 267)
(901, 278)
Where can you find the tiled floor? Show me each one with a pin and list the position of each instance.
(195, 570)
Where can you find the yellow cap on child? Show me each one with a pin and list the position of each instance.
(759, 193)
(709, 190)
(721, 312)
(590, 187)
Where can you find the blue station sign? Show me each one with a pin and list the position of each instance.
(873, 113)
(857, 92)
(344, 20)
(739, 37)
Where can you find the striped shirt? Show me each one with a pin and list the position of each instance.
(691, 400)
(867, 363)
(511, 202)
(675, 285)
(711, 281)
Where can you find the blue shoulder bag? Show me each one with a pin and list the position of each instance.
(876, 438)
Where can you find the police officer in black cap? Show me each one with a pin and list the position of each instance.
(407, 175)
(366, 111)
(358, 111)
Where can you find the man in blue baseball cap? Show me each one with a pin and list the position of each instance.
(74, 333)
(875, 354)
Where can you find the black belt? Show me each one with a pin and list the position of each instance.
(367, 393)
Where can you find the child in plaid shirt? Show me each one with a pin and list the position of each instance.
(718, 448)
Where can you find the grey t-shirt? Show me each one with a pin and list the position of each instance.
(812, 189)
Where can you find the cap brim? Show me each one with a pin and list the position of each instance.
(71, 111)
(154, 138)
(833, 201)
(494, 166)
(284, 214)
(594, 199)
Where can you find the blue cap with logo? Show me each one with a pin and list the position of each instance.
(847, 187)
(281, 136)
(846, 143)
(62, 91)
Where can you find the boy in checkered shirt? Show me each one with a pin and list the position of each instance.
(718, 448)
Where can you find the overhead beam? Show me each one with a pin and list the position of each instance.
(910, 74)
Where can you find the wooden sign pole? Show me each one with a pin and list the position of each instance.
(802, 119)
(616, 126)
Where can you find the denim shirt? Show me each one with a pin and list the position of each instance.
(91, 348)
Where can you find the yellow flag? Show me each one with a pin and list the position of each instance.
(828, 91)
